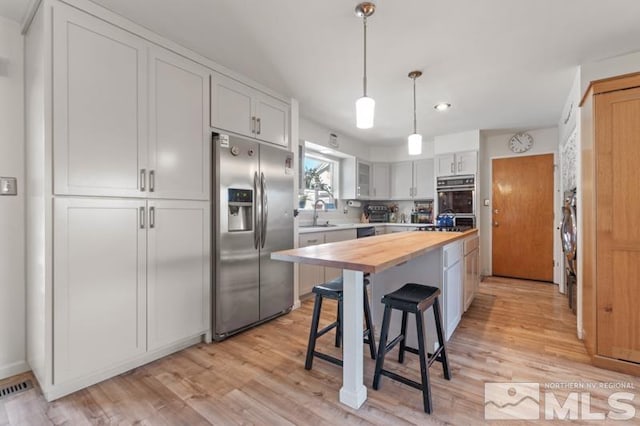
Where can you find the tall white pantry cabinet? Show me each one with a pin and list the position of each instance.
(118, 199)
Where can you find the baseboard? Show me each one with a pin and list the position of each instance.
(616, 365)
(13, 369)
(296, 305)
(62, 389)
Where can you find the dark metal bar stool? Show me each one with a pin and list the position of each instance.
(333, 290)
(412, 298)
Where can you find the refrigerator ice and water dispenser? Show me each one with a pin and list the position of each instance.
(240, 210)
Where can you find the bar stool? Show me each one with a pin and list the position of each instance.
(333, 290)
(412, 298)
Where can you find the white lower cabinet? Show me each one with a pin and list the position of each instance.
(99, 311)
(311, 275)
(452, 287)
(178, 268)
(130, 276)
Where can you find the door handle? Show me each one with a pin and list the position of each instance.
(142, 215)
(143, 180)
(495, 224)
(265, 208)
(259, 122)
(256, 219)
(496, 211)
(152, 217)
(253, 124)
(152, 180)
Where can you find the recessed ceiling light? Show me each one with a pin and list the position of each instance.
(442, 106)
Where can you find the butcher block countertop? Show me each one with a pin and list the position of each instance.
(372, 254)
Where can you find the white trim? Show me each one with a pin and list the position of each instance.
(59, 390)
(29, 14)
(13, 369)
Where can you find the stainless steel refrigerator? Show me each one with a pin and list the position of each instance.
(253, 216)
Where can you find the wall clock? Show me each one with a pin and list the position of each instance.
(520, 142)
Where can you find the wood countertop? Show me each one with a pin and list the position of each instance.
(372, 254)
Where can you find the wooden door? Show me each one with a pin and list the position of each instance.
(522, 217)
(178, 271)
(99, 107)
(617, 124)
(179, 136)
(99, 289)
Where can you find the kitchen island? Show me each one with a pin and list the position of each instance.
(402, 252)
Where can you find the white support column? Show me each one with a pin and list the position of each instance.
(353, 392)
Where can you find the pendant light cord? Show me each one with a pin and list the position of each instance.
(414, 107)
(364, 79)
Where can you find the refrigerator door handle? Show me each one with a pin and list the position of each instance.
(265, 208)
(256, 216)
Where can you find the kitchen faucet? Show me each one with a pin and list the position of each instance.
(315, 211)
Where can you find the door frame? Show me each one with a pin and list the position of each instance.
(485, 214)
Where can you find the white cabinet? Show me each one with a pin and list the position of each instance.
(460, 163)
(179, 137)
(355, 179)
(99, 106)
(402, 180)
(332, 237)
(99, 291)
(380, 181)
(311, 275)
(178, 270)
(132, 272)
(423, 179)
(412, 180)
(452, 286)
(471, 270)
(129, 118)
(238, 108)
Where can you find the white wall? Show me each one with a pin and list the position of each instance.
(457, 142)
(611, 67)
(496, 146)
(12, 272)
(319, 134)
(399, 152)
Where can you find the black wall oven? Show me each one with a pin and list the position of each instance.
(456, 194)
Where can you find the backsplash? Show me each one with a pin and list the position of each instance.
(353, 214)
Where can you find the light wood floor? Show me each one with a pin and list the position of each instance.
(514, 331)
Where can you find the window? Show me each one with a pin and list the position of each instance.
(320, 178)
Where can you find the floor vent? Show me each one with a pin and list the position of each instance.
(15, 388)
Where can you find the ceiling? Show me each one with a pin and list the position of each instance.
(503, 64)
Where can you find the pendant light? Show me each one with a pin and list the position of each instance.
(414, 140)
(365, 106)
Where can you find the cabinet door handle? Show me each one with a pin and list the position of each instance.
(453, 165)
(253, 124)
(460, 166)
(143, 180)
(142, 214)
(259, 122)
(152, 217)
(152, 180)
(312, 241)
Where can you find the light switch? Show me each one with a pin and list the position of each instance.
(8, 186)
(486, 202)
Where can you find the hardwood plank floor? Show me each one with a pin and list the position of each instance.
(514, 331)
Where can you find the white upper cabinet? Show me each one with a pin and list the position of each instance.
(178, 271)
(402, 180)
(179, 137)
(412, 180)
(99, 106)
(241, 109)
(380, 181)
(423, 180)
(460, 163)
(355, 179)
